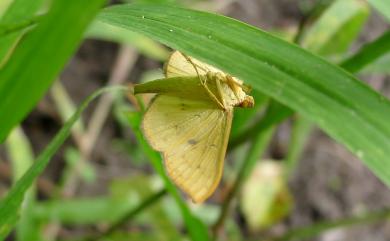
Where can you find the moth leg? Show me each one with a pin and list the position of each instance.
(210, 93)
(218, 81)
(203, 81)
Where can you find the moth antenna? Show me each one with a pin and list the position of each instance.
(219, 91)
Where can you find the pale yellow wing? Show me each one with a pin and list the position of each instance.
(178, 65)
(192, 136)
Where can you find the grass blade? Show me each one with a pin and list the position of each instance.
(21, 155)
(334, 31)
(368, 53)
(29, 72)
(100, 30)
(344, 107)
(16, 11)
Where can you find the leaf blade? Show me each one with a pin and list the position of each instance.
(22, 77)
(320, 91)
(368, 53)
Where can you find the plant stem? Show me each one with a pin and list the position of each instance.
(21, 156)
(131, 214)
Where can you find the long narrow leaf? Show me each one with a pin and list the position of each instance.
(100, 30)
(379, 66)
(21, 155)
(368, 53)
(347, 109)
(16, 11)
(333, 32)
(345, 26)
(38, 59)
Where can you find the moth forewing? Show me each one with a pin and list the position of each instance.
(179, 65)
(221, 158)
(192, 138)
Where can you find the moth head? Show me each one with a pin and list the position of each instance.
(248, 102)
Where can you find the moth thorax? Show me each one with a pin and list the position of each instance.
(215, 76)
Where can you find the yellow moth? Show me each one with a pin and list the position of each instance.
(189, 121)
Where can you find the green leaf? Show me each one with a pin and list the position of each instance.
(4, 6)
(301, 129)
(336, 28)
(21, 155)
(65, 107)
(382, 6)
(82, 211)
(100, 30)
(16, 11)
(31, 69)
(344, 107)
(369, 53)
(20, 152)
(380, 66)
(344, 25)
(10, 205)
